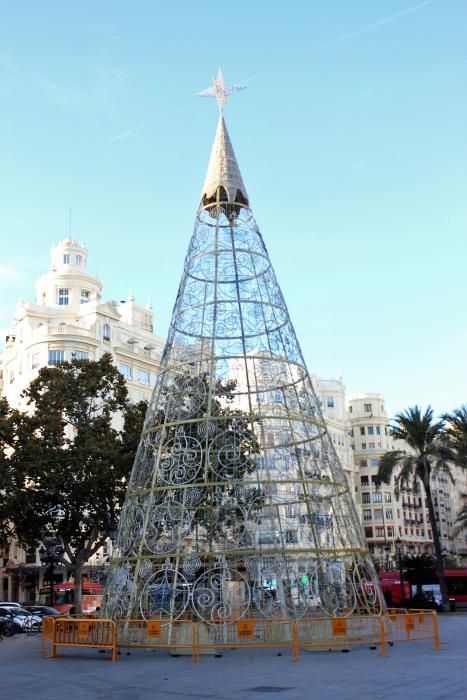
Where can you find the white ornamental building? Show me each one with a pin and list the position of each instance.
(69, 320)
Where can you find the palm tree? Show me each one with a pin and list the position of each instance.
(455, 435)
(427, 454)
(461, 520)
(420, 568)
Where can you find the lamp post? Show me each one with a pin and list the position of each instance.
(399, 564)
(387, 549)
(50, 554)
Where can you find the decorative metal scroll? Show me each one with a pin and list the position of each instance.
(237, 504)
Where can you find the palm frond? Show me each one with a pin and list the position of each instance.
(387, 464)
(456, 435)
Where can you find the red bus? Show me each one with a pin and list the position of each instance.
(390, 582)
(456, 582)
(64, 596)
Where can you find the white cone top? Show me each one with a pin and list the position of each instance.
(223, 168)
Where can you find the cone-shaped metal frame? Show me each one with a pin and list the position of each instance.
(237, 504)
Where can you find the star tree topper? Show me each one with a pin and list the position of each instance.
(220, 90)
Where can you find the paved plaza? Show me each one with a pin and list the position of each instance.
(410, 670)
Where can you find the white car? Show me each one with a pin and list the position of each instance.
(9, 605)
(24, 620)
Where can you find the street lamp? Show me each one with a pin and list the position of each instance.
(399, 564)
(50, 554)
(387, 549)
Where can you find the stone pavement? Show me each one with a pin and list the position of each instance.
(410, 670)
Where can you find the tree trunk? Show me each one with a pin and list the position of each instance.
(437, 545)
(78, 597)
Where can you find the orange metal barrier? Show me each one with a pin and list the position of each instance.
(159, 634)
(415, 624)
(72, 632)
(47, 630)
(248, 633)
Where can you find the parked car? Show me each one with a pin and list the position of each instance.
(42, 610)
(6, 604)
(23, 619)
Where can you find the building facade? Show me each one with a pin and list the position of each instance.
(393, 524)
(70, 320)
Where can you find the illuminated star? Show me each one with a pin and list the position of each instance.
(220, 90)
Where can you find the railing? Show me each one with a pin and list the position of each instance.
(81, 632)
(309, 633)
(62, 330)
(157, 634)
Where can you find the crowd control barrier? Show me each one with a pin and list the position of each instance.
(198, 637)
(76, 632)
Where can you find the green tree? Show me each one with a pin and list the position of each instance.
(420, 568)
(66, 477)
(426, 455)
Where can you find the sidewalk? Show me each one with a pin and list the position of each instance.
(411, 670)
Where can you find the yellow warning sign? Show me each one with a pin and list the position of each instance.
(154, 628)
(339, 627)
(83, 630)
(245, 629)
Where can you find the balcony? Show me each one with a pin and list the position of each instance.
(67, 329)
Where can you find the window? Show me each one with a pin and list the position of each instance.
(377, 497)
(363, 445)
(56, 357)
(79, 259)
(350, 409)
(371, 445)
(35, 360)
(371, 430)
(389, 514)
(277, 397)
(85, 296)
(363, 463)
(63, 297)
(378, 430)
(126, 370)
(362, 430)
(80, 355)
(378, 513)
(374, 462)
(390, 531)
(364, 480)
(380, 531)
(365, 498)
(330, 402)
(387, 498)
(106, 332)
(142, 376)
(291, 536)
(367, 515)
(66, 259)
(368, 532)
(367, 407)
(374, 478)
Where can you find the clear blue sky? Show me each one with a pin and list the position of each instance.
(351, 139)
